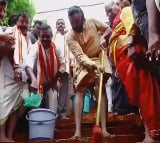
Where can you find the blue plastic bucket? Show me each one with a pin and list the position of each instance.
(41, 124)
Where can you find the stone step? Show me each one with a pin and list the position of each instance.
(132, 138)
(126, 128)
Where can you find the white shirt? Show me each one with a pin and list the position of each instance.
(32, 56)
(5, 64)
(26, 48)
(62, 49)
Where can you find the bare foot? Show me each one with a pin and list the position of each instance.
(75, 138)
(11, 139)
(7, 140)
(107, 135)
(148, 140)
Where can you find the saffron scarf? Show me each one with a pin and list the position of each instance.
(47, 65)
(18, 36)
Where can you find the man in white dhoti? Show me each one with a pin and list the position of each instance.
(22, 46)
(10, 100)
(13, 84)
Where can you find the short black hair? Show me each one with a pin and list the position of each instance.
(45, 26)
(12, 20)
(3, 2)
(59, 20)
(37, 22)
(23, 14)
(75, 9)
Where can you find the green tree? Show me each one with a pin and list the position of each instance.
(17, 6)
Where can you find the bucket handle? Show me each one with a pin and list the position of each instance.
(41, 121)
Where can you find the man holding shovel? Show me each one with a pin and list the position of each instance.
(84, 42)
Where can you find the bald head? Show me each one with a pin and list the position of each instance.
(108, 4)
(121, 3)
(112, 8)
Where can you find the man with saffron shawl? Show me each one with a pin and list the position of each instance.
(11, 87)
(127, 49)
(49, 66)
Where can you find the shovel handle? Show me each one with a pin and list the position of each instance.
(100, 92)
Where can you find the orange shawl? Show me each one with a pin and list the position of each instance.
(47, 65)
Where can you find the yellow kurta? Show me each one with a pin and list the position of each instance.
(85, 46)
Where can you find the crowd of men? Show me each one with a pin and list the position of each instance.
(68, 62)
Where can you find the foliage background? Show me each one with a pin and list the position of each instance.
(18, 6)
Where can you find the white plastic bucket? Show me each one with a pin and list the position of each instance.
(41, 124)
